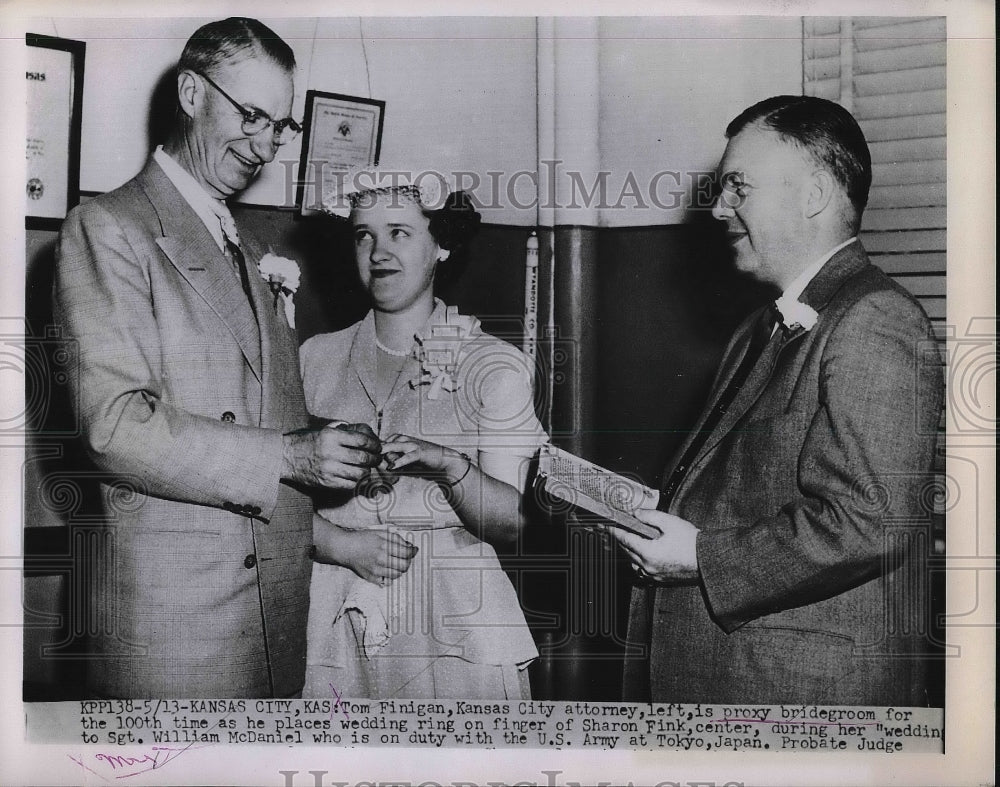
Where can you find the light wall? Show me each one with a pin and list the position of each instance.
(669, 87)
(462, 94)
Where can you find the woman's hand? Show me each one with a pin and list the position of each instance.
(488, 505)
(412, 456)
(377, 556)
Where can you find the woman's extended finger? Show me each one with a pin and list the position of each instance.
(405, 458)
(399, 446)
(399, 437)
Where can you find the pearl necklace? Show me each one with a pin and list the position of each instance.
(392, 352)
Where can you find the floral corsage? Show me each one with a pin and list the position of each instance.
(796, 314)
(438, 352)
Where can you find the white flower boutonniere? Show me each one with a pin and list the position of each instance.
(438, 352)
(796, 314)
(282, 276)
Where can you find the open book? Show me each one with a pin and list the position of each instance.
(585, 485)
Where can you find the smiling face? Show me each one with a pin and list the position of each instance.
(763, 203)
(395, 253)
(215, 150)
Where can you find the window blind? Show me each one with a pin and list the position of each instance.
(890, 72)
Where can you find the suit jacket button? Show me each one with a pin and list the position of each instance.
(250, 561)
(229, 417)
(255, 511)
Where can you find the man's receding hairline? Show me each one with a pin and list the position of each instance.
(255, 51)
(788, 140)
(763, 123)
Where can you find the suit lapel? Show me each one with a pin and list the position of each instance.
(831, 277)
(276, 340)
(727, 369)
(759, 377)
(192, 250)
(844, 265)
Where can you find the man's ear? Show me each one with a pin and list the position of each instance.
(819, 193)
(187, 89)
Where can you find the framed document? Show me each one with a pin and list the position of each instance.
(340, 133)
(54, 77)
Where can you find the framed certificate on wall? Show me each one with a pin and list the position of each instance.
(54, 75)
(340, 133)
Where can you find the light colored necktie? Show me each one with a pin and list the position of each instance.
(229, 232)
(232, 238)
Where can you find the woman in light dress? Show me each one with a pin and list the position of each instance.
(408, 598)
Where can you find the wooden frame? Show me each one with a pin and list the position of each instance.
(339, 133)
(52, 185)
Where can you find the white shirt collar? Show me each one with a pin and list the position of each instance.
(205, 206)
(800, 282)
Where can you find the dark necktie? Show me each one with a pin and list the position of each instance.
(240, 263)
(762, 332)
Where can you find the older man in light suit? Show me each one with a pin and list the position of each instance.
(190, 398)
(793, 519)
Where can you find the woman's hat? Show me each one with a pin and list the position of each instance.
(429, 189)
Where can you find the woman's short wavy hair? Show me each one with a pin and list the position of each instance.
(455, 223)
(453, 226)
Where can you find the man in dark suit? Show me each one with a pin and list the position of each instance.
(189, 398)
(793, 521)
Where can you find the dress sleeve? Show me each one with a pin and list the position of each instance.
(505, 418)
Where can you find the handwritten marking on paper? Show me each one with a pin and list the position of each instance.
(123, 766)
